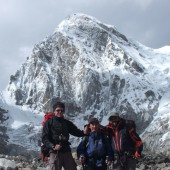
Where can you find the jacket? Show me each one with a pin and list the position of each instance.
(124, 139)
(57, 130)
(95, 148)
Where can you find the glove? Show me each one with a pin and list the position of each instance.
(108, 160)
(116, 159)
(137, 155)
(82, 159)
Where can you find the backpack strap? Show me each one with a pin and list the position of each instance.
(86, 141)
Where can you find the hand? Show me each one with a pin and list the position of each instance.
(86, 130)
(137, 155)
(116, 159)
(57, 147)
(108, 162)
(82, 159)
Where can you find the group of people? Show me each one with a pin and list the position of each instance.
(116, 145)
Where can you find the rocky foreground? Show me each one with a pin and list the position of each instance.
(147, 162)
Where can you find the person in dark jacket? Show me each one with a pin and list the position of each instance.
(55, 136)
(94, 151)
(126, 143)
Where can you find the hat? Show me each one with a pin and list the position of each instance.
(59, 104)
(91, 120)
(113, 115)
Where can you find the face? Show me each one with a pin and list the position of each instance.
(94, 126)
(114, 121)
(59, 112)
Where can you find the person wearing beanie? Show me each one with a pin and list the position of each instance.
(55, 136)
(126, 143)
(94, 151)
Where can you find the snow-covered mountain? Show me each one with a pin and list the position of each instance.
(20, 129)
(95, 69)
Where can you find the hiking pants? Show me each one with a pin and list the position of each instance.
(96, 168)
(59, 160)
(130, 164)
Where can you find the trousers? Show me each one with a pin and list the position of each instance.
(59, 160)
(130, 164)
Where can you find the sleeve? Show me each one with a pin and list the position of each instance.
(108, 148)
(73, 130)
(137, 140)
(81, 149)
(46, 135)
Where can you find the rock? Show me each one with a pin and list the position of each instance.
(7, 163)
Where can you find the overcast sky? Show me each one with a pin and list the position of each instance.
(24, 23)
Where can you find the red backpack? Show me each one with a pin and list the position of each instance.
(47, 116)
(44, 150)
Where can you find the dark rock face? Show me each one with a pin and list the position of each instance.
(3, 129)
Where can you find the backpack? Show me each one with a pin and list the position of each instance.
(130, 124)
(44, 150)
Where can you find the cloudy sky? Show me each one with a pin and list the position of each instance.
(24, 23)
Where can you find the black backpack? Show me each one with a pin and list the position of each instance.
(130, 124)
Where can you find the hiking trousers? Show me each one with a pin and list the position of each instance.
(130, 164)
(59, 160)
(96, 168)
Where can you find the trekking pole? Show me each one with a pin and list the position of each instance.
(84, 166)
(107, 161)
(57, 160)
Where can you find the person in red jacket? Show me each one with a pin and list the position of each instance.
(126, 143)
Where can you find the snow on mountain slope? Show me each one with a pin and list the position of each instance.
(157, 134)
(94, 69)
(23, 126)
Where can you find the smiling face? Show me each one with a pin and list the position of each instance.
(59, 111)
(94, 126)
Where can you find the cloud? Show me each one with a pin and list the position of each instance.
(25, 23)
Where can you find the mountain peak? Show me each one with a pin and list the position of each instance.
(82, 23)
(93, 69)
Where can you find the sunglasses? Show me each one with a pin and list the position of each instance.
(59, 110)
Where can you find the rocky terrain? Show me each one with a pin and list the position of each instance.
(94, 70)
(147, 162)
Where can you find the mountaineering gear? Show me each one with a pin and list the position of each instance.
(47, 116)
(94, 148)
(108, 163)
(137, 155)
(84, 166)
(125, 143)
(124, 137)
